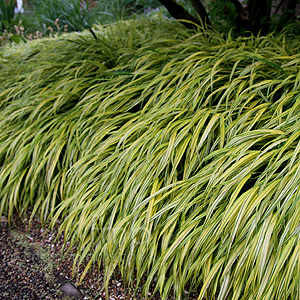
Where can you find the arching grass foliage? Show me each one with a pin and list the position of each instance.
(164, 152)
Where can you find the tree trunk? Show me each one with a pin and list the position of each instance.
(180, 13)
(259, 15)
(200, 10)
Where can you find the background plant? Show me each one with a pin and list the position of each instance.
(75, 14)
(78, 15)
(223, 14)
(241, 17)
(7, 14)
(49, 18)
(123, 9)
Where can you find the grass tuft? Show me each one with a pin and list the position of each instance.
(164, 152)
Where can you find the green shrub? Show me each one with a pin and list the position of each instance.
(52, 16)
(115, 10)
(162, 152)
(7, 13)
(73, 14)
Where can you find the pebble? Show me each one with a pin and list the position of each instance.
(4, 219)
(69, 289)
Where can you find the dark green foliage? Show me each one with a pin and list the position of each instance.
(7, 14)
(78, 15)
(238, 17)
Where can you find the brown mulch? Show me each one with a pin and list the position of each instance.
(31, 267)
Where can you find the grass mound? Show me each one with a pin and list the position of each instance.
(164, 152)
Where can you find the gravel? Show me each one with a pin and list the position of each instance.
(31, 268)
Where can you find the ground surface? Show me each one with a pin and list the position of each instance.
(31, 268)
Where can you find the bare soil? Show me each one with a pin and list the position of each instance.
(31, 267)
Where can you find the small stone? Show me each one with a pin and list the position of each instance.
(69, 289)
(4, 219)
(4, 222)
(11, 262)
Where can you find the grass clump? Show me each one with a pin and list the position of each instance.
(164, 152)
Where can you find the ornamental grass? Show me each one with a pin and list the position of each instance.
(163, 152)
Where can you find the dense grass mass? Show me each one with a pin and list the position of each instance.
(163, 152)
